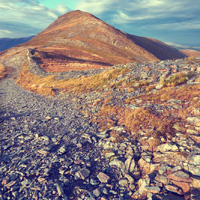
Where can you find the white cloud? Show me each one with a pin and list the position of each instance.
(62, 8)
(27, 15)
(191, 25)
(177, 45)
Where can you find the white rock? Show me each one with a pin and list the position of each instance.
(167, 147)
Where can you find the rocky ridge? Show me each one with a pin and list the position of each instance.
(52, 148)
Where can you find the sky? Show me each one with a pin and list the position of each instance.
(171, 21)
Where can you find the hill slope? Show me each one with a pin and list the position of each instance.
(79, 38)
(190, 52)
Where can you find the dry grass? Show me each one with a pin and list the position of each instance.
(48, 85)
(177, 79)
(135, 120)
(3, 71)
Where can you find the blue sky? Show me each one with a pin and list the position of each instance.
(172, 21)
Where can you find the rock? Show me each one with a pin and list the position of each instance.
(130, 179)
(171, 158)
(195, 160)
(60, 191)
(159, 86)
(146, 167)
(109, 154)
(84, 173)
(194, 170)
(194, 120)
(161, 179)
(180, 176)
(142, 183)
(93, 182)
(118, 163)
(196, 183)
(173, 188)
(43, 152)
(62, 149)
(128, 163)
(183, 185)
(167, 147)
(123, 182)
(25, 182)
(96, 192)
(103, 178)
(154, 189)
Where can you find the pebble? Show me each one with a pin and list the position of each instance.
(103, 178)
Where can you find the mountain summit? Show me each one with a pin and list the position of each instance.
(82, 41)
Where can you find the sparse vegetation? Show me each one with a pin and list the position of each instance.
(48, 85)
(177, 79)
(142, 118)
(3, 71)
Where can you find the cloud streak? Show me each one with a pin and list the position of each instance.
(20, 18)
(149, 18)
(172, 20)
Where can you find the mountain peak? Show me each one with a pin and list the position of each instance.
(80, 37)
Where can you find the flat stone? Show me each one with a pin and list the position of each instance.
(96, 192)
(161, 179)
(103, 178)
(196, 183)
(194, 120)
(194, 170)
(118, 163)
(167, 147)
(43, 152)
(128, 163)
(195, 160)
(154, 189)
(146, 167)
(130, 179)
(62, 149)
(180, 176)
(123, 182)
(171, 158)
(173, 188)
(93, 182)
(84, 173)
(184, 186)
(142, 183)
(25, 182)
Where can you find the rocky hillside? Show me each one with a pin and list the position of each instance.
(127, 132)
(80, 41)
(75, 126)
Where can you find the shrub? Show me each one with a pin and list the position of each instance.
(177, 79)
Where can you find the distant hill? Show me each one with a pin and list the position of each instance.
(190, 52)
(6, 43)
(79, 41)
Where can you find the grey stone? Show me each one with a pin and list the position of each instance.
(93, 182)
(154, 189)
(84, 173)
(167, 147)
(123, 182)
(62, 149)
(194, 120)
(96, 192)
(194, 170)
(103, 178)
(195, 160)
(118, 163)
